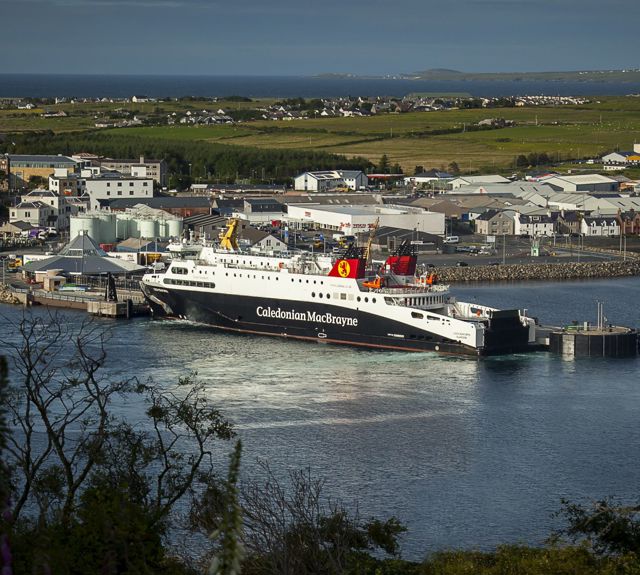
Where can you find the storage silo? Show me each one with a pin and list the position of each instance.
(174, 228)
(84, 223)
(147, 229)
(107, 228)
(124, 229)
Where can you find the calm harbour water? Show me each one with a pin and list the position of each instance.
(91, 86)
(467, 453)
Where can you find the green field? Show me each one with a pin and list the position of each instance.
(562, 132)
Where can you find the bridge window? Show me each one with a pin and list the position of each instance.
(416, 315)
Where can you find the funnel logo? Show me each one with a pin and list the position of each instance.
(344, 269)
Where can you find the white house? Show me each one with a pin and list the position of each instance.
(34, 212)
(600, 226)
(327, 180)
(60, 208)
(533, 225)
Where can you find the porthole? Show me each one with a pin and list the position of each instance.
(320, 295)
(328, 296)
(313, 294)
(366, 300)
(358, 298)
(373, 300)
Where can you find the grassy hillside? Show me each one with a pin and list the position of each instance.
(430, 139)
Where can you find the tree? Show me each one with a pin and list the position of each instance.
(88, 486)
(383, 164)
(418, 170)
(297, 531)
(609, 527)
(36, 182)
(5, 511)
(454, 169)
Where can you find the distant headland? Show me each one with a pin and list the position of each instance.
(443, 74)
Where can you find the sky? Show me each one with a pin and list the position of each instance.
(289, 37)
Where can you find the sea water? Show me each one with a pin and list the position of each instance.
(467, 453)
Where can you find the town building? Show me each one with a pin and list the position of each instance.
(261, 241)
(478, 180)
(35, 213)
(22, 168)
(360, 219)
(620, 160)
(261, 210)
(629, 222)
(331, 179)
(495, 222)
(67, 184)
(600, 226)
(583, 183)
(534, 225)
(142, 168)
(182, 206)
(114, 185)
(427, 177)
(60, 208)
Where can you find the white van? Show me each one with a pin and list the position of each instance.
(451, 240)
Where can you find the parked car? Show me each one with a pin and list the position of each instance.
(462, 264)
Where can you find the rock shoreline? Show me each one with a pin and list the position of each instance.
(528, 272)
(7, 296)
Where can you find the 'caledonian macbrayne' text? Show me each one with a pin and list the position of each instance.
(307, 316)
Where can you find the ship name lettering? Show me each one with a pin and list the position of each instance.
(313, 316)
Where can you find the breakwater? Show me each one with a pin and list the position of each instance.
(527, 272)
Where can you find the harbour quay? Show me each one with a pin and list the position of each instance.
(130, 302)
(594, 341)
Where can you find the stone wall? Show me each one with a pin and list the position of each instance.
(525, 272)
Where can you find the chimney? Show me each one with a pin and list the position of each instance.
(142, 159)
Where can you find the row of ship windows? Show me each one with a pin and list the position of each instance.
(188, 283)
(342, 296)
(185, 271)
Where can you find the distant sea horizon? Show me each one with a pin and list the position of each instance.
(172, 86)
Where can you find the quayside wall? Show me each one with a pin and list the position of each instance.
(528, 272)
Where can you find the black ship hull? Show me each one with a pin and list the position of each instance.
(324, 323)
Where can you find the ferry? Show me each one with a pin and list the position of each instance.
(330, 299)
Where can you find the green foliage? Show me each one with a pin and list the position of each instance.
(102, 500)
(383, 165)
(227, 560)
(608, 527)
(235, 98)
(224, 163)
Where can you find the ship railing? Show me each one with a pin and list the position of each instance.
(409, 289)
